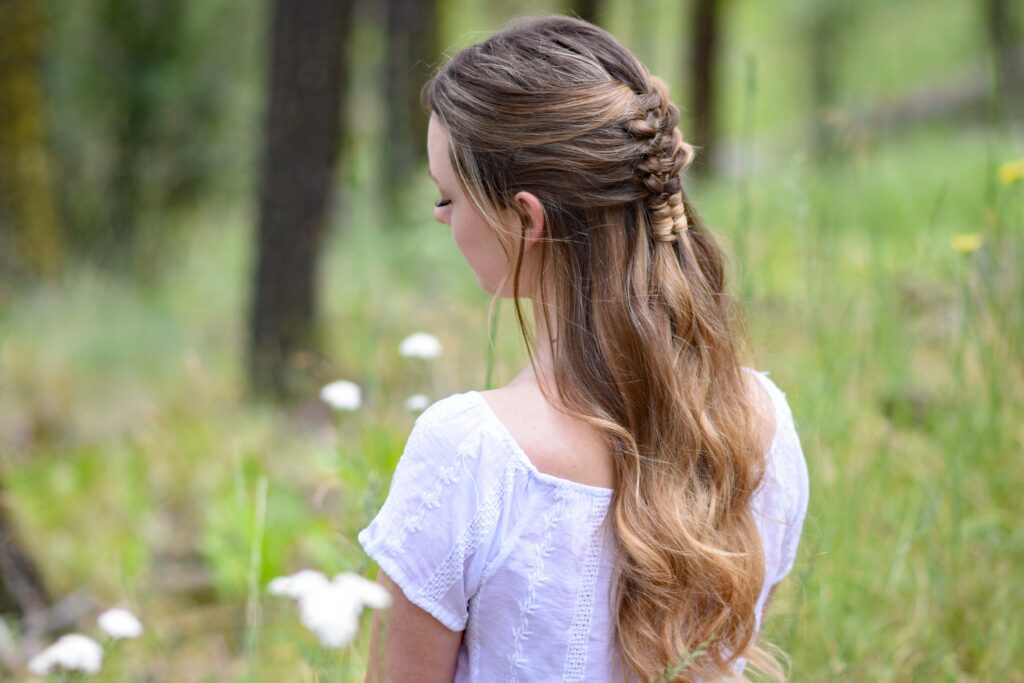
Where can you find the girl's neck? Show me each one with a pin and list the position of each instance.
(541, 371)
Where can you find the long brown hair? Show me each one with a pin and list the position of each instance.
(646, 350)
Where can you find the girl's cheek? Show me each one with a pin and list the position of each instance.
(442, 214)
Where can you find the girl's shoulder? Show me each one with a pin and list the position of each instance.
(447, 421)
(453, 441)
(452, 499)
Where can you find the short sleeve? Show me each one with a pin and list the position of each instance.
(427, 536)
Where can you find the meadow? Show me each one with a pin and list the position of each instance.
(882, 288)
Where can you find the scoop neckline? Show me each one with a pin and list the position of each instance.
(518, 452)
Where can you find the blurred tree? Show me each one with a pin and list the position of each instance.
(704, 34)
(143, 40)
(301, 142)
(138, 93)
(825, 22)
(30, 236)
(412, 33)
(1004, 34)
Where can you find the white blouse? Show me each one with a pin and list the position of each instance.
(478, 537)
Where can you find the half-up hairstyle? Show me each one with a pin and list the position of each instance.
(645, 351)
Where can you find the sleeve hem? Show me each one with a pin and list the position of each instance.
(395, 572)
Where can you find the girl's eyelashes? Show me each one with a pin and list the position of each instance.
(442, 203)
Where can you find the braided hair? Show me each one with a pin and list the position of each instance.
(634, 288)
(666, 156)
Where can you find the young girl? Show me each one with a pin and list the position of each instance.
(623, 508)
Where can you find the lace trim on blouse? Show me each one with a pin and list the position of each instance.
(576, 657)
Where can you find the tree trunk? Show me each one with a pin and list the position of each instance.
(412, 49)
(30, 236)
(704, 26)
(302, 136)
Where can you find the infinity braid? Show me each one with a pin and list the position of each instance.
(666, 155)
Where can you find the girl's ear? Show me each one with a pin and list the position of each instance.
(531, 212)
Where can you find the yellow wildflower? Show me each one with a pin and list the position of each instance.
(1011, 171)
(967, 243)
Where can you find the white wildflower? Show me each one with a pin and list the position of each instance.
(296, 585)
(417, 403)
(120, 623)
(369, 593)
(420, 345)
(342, 395)
(331, 609)
(73, 652)
(331, 614)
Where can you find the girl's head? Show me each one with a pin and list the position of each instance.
(552, 121)
(558, 157)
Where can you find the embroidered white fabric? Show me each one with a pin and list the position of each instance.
(478, 537)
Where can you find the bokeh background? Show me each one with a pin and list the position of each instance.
(211, 208)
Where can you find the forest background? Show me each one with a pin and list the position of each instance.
(211, 208)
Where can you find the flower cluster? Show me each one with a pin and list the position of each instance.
(1011, 171)
(342, 395)
(420, 345)
(119, 623)
(330, 609)
(966, 243)
(73, 652)
(77, 652)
